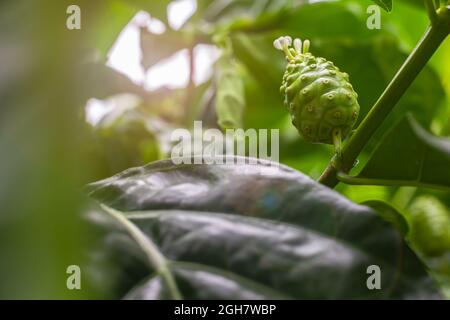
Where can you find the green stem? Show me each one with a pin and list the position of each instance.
(155, 258)
(337, 141)
(430, 42)
(382, 182)
(431, 10)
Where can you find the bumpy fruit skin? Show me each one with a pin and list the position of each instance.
(319, 98)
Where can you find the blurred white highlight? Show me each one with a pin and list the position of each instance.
(172, 72)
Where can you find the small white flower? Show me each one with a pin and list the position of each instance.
(287, 41)
(277, 44)
(298, 45)
(306, 45)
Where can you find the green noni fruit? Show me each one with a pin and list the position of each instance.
(319, 97)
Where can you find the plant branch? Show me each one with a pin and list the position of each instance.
(343, 177)
(191, 84)
(430, 42)
(431, 10)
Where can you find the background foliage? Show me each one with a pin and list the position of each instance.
(49, 152)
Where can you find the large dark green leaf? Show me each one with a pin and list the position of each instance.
(202, 282)
(257, 228)
(408, 155)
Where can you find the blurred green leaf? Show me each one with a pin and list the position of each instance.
(114, 16)
(430, 226)
(243, 13)
(425, 91)
(408, 22)
(408, 155)
(262, 110)
(301, 235)
(156, 47)
(230, 99)
(45, 150)
(102, 81)
(324, 20)
(414, 2)
(255, 51)
(157, 9)
(130, 133)
(385, 4)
